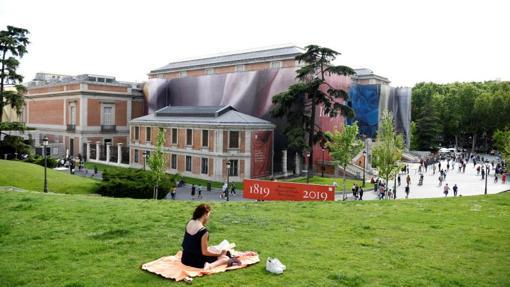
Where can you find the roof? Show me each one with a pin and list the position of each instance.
(287, 52)
(364, 73)
(202, 115)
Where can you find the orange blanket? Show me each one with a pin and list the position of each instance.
(171, 267)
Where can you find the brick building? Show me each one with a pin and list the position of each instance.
(74, 110)
(200, 140)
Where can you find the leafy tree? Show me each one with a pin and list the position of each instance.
(13, 43)
(428, 125)
(414, 137)
(157, 162)
(387, 151)
(501, 140)
(344, 146)
(311, 90)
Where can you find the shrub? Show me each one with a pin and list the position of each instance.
(39, 160)
(133, 183)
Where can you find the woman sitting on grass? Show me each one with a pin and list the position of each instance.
(196, 251)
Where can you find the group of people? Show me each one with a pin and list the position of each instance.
(357, 192)
(226, 189)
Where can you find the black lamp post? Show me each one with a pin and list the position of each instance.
(486, 176)
(45, 145)
(144, 158)
(322, 162)
(364, 166)
(308, 169)
(228, 179)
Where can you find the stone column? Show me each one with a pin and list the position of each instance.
(284, 162)
(298, 164)
(119, 153)
(108, 148)
(98, 149)
(88, 150)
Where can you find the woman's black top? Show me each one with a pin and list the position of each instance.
(192, 250)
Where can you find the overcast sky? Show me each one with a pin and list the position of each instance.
(406, 41)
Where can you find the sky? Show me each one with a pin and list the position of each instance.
(405, 41)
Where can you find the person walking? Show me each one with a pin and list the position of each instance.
(361, 193)
(455, 189)
(446, 189)
(199, 192)
(464, 168)
(433, 169)
(495, 178)
(440, 180)
(408, 180)
(193, 190)
(398, 179)
(174, 191)
(233, 189)
(353, 189)
(503, 178)
(483, 173)
(407, 191)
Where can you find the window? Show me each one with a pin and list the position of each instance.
(209, 71)
(240, 68)
(109, 80)
(72, 114)
(233, 167)
(189, 137)
(174, 136)
(188, 163)
(233, 141)
(136, 156)
(108, 115)
(205, 138)
(148, 134)
(183, 74)
(137, 133)
(276, 65)
(205, 166)
(173, 162)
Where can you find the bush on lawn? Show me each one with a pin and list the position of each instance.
(39, 160)
(133, 183)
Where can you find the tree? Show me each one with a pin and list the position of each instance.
(157, 162)
(428, 126)
(344, 146)
(387, 150)
(13, 41)
(312, 90)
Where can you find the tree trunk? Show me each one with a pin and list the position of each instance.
(456, 142)
(395, 188)
(310, 138)
(473, 143)
(2, 76)
(343, 196)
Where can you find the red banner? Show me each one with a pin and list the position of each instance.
(280, 190)
(261, 152)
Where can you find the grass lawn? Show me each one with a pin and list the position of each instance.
(78, 240)
(339, 181)
(31, 177)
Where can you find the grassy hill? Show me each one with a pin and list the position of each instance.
(31, 177)
(77, 240)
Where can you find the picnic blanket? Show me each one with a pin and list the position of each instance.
(171, 267)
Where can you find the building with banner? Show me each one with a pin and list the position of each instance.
(200, 140)
(77, 112)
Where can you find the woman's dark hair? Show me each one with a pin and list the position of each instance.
(201, 210)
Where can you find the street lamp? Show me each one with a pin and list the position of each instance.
(228, 179)
(308, 169)
(486, 176)
(364, 166)
(144, 158)
(45, 145)
(322, 162)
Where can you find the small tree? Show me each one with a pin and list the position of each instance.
(13, 41)
(157, 162)
(344, 146)
(387, 150)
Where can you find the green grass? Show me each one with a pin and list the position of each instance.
(78, 240)
(330, 180)
(31, 177)
(102, 167)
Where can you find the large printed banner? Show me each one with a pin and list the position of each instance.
(277, 190)
(261, 152)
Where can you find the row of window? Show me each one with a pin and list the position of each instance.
(233, 141)
(204, 166)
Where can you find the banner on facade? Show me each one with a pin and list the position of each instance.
(261, 153)
(279, 190)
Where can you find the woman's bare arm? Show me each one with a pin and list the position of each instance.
(205, 250)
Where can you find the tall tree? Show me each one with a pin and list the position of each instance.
(310, 91)
(157, 162)
(428, 126)
(388, 149)
(13, 44)
(344, 146)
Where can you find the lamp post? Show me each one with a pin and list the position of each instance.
(308, 169)
(144, 158)
(322, 168)
(45, 145)
(228, 179)
(364, 166)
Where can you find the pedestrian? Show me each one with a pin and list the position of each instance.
(433, 169)
(464, 168)
(233, 189)
(193, 190)
(407, 191)
(95, 170)
(495, 178)
(353, 189)
(503, 178)
(448, 165)
(398, 179)
(199, 192)
(224, 190)
(361, 193)
(407, 169)
(440, 180)
(408, 179)
(455, 188)
(444, 174)
(483, 173)
(174, 191)
(439, 166)
(446, 189)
